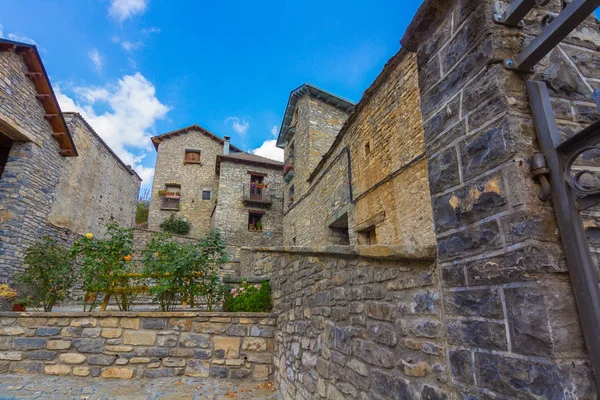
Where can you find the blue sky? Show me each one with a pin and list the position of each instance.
(137, 68)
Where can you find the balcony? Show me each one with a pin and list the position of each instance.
(257, 194)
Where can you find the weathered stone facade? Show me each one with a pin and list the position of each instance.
(96, 187)
(512, 324)
(138, 345)
(235, 203)
(34, 166)
(354, 325)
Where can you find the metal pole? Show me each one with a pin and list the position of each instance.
(582, 270)
(514, 14)
(573, 15)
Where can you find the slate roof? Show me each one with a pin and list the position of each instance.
(157, 139)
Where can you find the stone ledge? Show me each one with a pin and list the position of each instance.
(143, 314)
(428, 253)
(249, 279)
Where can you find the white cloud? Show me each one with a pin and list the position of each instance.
(128, 120)
(128, 46)
(274, 130)
(123, 9)
(20, 38)
(239, 125)
(270, 150)
(1, 30)
(152, 29)
(94, 55)
(146, 173)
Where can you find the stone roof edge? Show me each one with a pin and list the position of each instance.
(429, 13)
(158, 138)
(127, 167)
(425, 253)
(387, 68)
(138, 314)
(223, 157)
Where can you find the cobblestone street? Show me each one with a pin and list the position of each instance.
(15, 387)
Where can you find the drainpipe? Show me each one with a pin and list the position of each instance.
(227, 140)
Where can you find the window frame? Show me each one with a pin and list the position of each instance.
(192, 151)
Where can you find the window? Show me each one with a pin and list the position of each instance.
(367, 149)
(192, 156)
(206, 195)
(369, 236)
(255, 220)
(171, 196)
(257, 187)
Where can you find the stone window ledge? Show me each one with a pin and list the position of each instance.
(169, 209)
(426, 253)
(141, 314)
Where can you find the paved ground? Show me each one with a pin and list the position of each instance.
(13, 387)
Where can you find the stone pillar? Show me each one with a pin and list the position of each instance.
(511, 319)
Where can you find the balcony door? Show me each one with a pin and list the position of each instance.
(256, 187)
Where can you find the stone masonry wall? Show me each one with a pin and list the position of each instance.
(28, 184)
(512, 325)
(95, 187)
(193, 178)
(231, 214)
(351, 326)
(138, 345)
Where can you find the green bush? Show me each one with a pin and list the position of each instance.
(49, 268)
(106, 265)
(176, 225)
(142, 209)
(249, 298)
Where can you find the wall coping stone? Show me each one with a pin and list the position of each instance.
(142, 314)
(428, 253)
(249, 279)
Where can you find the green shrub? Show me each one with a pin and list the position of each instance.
(176, 225)
(106, 266)
(249, 298)
(142, 209)
(49, 268)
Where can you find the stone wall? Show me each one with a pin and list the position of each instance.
(356, 322)
(231, 214)
(512, 323)
(193, 178)
(95, 187)
(28, 183)
(138, 345)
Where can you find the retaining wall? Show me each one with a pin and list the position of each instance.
(138, 345)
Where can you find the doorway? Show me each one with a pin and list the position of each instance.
(5, 146)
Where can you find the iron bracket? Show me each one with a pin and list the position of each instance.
(540, 171)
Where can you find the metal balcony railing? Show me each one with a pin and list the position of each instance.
(257, 193)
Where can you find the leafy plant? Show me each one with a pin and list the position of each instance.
(106, 266)
(249, 298)
(49, 268)
(213, 249)
(6, 292)
(176, 225)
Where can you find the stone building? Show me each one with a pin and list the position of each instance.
(360, 177)
(48, 164)
(212, 184)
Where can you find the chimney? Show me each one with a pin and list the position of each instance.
(226, 145)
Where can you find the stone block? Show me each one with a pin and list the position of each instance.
(156, 352)
(27, 368)
(140, 360)
(203, 354)
(84, 322)
(478, 303)
(236, 330)
(174, 362)
(472, 241)
(390, 386)
(71, 358)
(381, 333)
(209, 327)
(443, 171)
(486, 150)
(154, 323)
(260, 373)
(482, 334)
(179, 352)
(192, 340)
(58, 344)
(373, 353)
(41, 355)
(89, 345)
(197, 368)
(118, 372)
(97, 359)
(242, 373)
(47, 331)
(139, 338)
(90, 332)
(29, 343)
(226, 347)
(254, 344)
(58, 322)
(109, 322)
(130, 323)
(167, 340)
(119, 348)
(418, 370)
(81, 371)
(71, 331)
(525, 225)
(216, 371)
(180, 324)
(57, 370)
(111, 333)
(426, 328)
(380, 311)
(11, 330)
(11, 355)
(461, 365)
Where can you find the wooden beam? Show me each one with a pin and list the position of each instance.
(50, 116)
(8, 47)
(42, 96)
(58, 135)
(33, 74)
(66, 152)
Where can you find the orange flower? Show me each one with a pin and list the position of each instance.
(127, 257)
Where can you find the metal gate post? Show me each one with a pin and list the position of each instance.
(582, 270)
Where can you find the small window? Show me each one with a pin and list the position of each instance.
(367, 149)
(206, 195)
(255, 221)
(369, 236)
(192, 156)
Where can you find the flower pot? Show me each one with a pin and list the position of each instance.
(19, 307)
